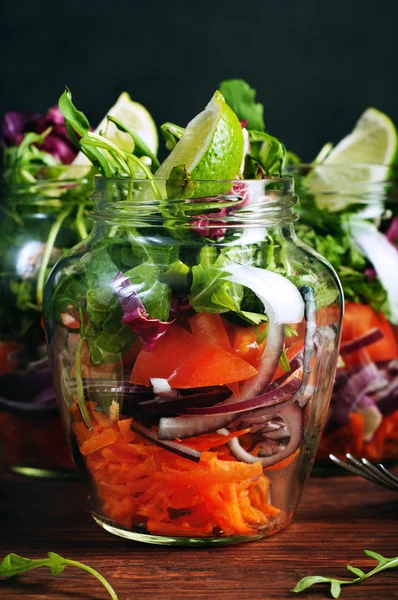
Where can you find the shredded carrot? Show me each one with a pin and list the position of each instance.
(283, 463)
(212, 440)
(139, 483)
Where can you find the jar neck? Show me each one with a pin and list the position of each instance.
(201, 206)
(46, 191)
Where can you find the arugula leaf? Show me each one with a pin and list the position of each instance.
(154, 294)
(110, 340)
(171, 134)
(12, 565)
(77, 123)
(241, 98)
(267, 152)
(101, 268)
(177, 275)
(210, 292)
(140, 147)
(335, 584)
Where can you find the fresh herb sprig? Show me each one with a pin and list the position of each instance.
(13, 565)
(335, 584)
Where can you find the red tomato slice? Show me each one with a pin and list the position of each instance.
(245, 343)
(211, 329)
(186, 361)
(359, 319)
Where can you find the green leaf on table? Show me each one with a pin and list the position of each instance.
(242, 99)
(335, 584)
(12, 565)
(356, 571)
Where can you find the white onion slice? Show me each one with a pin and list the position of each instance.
(384, 257)
(161, 387)
(282, 300)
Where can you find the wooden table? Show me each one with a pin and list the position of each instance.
(339, 517)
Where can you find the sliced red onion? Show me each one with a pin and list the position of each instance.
(293, 419)
(358, 384)
(269, 399)
(171, 428)
(295, 364)
(178, 404)
(179, 449)
(191, 426)
(387, 399)
(372, 336)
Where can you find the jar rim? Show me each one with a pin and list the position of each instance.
(284, 179)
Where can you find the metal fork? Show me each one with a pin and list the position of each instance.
(375, 473)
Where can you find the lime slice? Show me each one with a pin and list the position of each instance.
(135, 117)
(211, 147)
(371, 147)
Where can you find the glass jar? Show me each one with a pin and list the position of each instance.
(43, 213)
(195, 381)
(349, 213)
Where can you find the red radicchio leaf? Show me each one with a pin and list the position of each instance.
(14, 125)
(134, 313)
(392, 233)
(57, 143)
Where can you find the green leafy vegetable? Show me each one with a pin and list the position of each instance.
(171, 134)
(177, 275)
(140, 147)
(13, 565)
(267, 153)
(210, 292)
(335, 584)
(242, 99)
(331, 237)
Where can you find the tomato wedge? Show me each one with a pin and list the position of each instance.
(358, 320)
(186, 361)
(245, 343)
(211, 329)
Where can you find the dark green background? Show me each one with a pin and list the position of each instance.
(317, 64)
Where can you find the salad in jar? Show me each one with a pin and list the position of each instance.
(45, 188)
(193, 339)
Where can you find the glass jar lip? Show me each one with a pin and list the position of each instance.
(288, 179)
(339, 165)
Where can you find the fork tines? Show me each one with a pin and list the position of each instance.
(375, 473)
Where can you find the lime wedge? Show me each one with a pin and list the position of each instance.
(211, 147)
(135, 117)
(361, 158)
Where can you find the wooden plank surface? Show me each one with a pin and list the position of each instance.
(338, 518)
